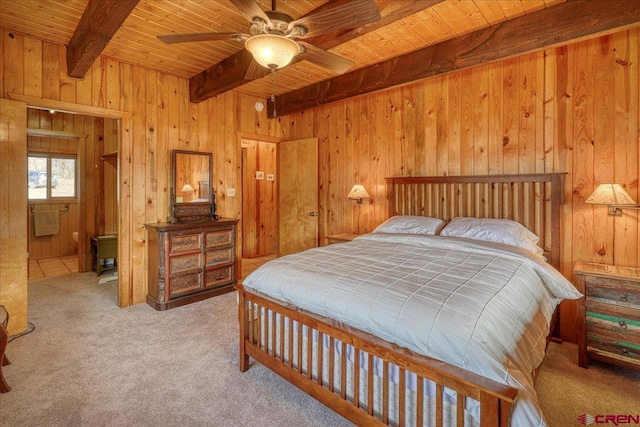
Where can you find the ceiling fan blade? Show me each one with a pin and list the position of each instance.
(350, 15)
(325, 59)
(251, 9)
(201, 37)
(256, 71)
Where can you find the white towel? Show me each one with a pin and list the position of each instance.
(46, 223)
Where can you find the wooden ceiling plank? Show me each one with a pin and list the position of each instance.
(99, 23)
(554, 26)
(212, 82)
(491, 11)
(390, 10)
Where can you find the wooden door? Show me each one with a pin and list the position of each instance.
(297, 195)
(13, 212)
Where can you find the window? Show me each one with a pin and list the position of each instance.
(51, 176)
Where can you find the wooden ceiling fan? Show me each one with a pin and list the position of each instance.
(275, 38)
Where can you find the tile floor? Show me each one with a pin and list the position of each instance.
(50, 267)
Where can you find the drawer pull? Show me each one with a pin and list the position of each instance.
(622, 324)
(221, 276)
(623, 297)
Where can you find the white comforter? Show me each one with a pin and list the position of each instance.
(484, 307)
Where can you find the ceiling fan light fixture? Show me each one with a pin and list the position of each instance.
(272, 50)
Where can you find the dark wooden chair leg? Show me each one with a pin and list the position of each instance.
(4, 339)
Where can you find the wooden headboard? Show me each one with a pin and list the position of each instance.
(533, 200)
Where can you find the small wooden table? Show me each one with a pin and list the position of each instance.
(341, 238)
(609, 314)
(104, 253)
(4, 338)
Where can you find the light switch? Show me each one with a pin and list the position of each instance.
(231, 192)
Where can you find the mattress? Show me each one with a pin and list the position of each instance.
(484, 307)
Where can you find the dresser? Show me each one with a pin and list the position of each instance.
(190, 261)
(609, 314)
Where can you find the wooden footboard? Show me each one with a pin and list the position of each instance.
(267, 333)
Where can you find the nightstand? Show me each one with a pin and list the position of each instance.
(609, 314)
(341, 238)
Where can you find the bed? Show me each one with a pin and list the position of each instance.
(375, 367)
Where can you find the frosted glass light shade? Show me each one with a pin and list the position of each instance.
(610, 194)
(271, 50)
(358, 193)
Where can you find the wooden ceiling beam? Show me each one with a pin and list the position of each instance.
(99, 23)
(560, 24)
(230, 73)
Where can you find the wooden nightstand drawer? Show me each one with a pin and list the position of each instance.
(610, 314)
(612, 290)
(615, 334)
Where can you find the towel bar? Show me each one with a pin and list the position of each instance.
(66, 208)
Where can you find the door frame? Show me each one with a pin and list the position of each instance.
(125, 148)
(255, 137)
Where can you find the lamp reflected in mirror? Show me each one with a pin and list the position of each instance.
(187, 193)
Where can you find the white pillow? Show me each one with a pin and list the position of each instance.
(410, 224)
(494, 230)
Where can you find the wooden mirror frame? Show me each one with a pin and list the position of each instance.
(182, 211)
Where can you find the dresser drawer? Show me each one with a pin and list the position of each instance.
(217, 277)
(615, 291)
(187, 283)
(218, 256)
(183, 263)
(179, 243)
(219, 238)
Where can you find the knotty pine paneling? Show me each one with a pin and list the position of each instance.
(157, 118)
(569, 109)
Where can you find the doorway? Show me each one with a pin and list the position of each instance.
(259, 205)
(76, 159)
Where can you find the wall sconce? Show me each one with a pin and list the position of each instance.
(187, 192)
(614, 196)
(358, 193)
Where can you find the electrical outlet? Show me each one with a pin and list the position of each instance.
(231, 192)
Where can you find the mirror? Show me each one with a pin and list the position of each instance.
(192, 198)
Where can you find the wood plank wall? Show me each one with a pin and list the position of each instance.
(572, 108)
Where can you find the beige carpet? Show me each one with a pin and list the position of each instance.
(90, 363)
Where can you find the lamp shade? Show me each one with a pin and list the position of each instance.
(358, 193)
(187, 189)
(272, 50)
(610, 194)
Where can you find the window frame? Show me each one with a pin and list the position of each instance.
(49, 157)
